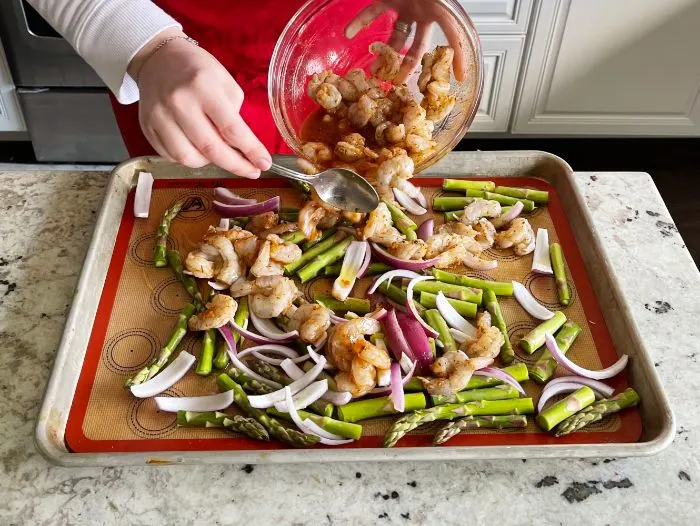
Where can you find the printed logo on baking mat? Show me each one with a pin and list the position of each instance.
(505, 254)
(317, 286)
(141, 249)
(544, 288)
(147, 421)
(168, 297)
(516, 331)
(259, 194)
(130, 350)
(196, 205)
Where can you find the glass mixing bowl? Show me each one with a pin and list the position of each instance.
(314, 41)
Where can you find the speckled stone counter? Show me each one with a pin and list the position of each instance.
(46, 218)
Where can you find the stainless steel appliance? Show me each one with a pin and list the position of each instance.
(66, 107)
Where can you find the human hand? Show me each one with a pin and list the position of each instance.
(189, 108)
(423, 13)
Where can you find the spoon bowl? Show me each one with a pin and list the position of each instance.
(338, 187)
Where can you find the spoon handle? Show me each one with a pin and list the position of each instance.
(292, 174)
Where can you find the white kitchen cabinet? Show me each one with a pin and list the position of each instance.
(502, 56)
(620, 67)
(11, 120)
(492, 17)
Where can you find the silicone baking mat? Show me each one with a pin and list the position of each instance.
(139, 304)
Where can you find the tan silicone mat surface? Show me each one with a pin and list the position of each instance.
(148, 300)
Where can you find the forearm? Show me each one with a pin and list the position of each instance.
(109, 35)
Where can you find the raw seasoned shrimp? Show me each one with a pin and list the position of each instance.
(413, 115)
(418, 144)
(204, 261)
(424, 128)
(361, 111)
(269, 296)
(455, 249)
(453, 370)
(390, 152)
(426, 73)
(519, 235)
(282, 251)
(359, 80)
(231, 267)
(437, 107)
(273, 255)
(387, 63)
(312, 321)
(379, 227)
(435, 66)
(318, 79)
(389, 132)
(317, 152)
(489, 340)
(383, 110)
(348, 90)
(312, 215)
(345, 343)
(486, 233)
(308, 167)
(219, 311)
(390, 172)
(414, 249)
(351, 148)
(480, 208)
(455, 227)
(364, 376)
(328, 96)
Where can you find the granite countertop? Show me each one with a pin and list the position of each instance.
(46, 219)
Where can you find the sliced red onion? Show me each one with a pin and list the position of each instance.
(395, 337)
(258, 338)
(563, 387)
(391, 275)
(306, 396)
(452, 317)
(317, 357)
(335, 319)
(411, 306)
(409, 204)
(417, 341)
(404, 380)
(270, 399)
(425, 230)
(166, 378)
(406, 363)
(217, 285)
(541, 262)
(268, 329)
(275, 349)
(215, 402)
(337, 398)
(366, 261)
(379, 314)
(224, 223)
(350, 270)
(326, 437)
(383, 377)
(398, 307)
(271, 205)
(477, 263)
(458, 335)
(278, 361)
(601, 387)
(226, 196)
(420, 198)
(397, 395)
(292, 370)
(142, 198)
(507, 217)
(405, 264)
(565, 362)
(305, 425)
(238, 364)
(500, 374)
(529, 303)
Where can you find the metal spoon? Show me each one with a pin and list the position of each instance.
(339, 187)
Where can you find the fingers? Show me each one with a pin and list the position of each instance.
(398, 39)
(414, 55)
(459, 64)
(175, 145)
(364, 18)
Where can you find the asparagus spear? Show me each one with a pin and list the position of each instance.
(324, 235)
(237, 423)
(269, 371)
(343, 429)
(451, 291)
(330, 256)
(188, 282)
(534, 339)
(273, 426)
(302, 186)
(550, 417)
(159, 259)
(597, 411)
(456, 185)
(295, 237)
(374, 268)
(221, 358)
(401, 221)
(206, 358)
(455, 215)
(463, 307)
(455, 427)
(411, 421)
(398, 295)
(538, 196)
(176, 335)
(544, 368)
(289, 215)
(500, 288)
(411, 235)
(528, 205)
(447, 203)
(437, 322)
(358, 305)
(498, 392)
(491, 303)
(518, 371)
(374, 407)
(558, 265)
(311, 253)
(433, 347)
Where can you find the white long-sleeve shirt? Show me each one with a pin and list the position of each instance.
(107, 34)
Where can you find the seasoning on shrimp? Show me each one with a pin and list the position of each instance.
(218, 312)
